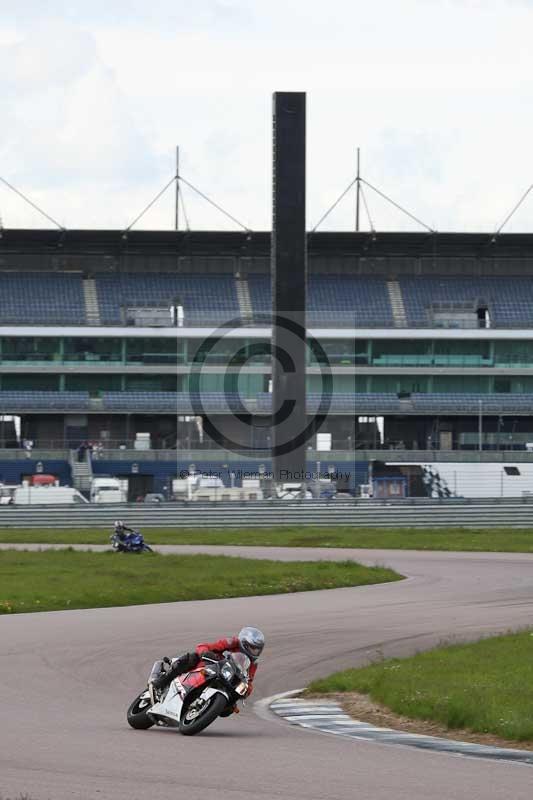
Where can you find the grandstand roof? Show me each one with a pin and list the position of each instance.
(378, 244)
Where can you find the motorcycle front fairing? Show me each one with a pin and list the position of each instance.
(171, 706)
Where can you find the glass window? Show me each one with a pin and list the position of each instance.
(91, 349)
(244, 384)
(223, 351)
(395, 384)
(345, 384)
(153, 383)
(30, 349)
(343, 352)
(522, 384)
(461, 384)
(401, 353)
(155, 351)
(258, 353)
(44, 383)
(462, 353)
(502, 385)
(513, 353)
(96, 385)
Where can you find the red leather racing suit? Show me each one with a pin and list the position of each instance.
(227, 644)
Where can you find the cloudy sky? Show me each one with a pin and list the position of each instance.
(96, 95)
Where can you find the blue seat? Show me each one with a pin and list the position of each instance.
(332, 301)
(206, 299)
(13, 401)
(509, 299)
(47, 298)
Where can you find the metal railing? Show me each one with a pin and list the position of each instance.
(114, 360)
(59, 450)
(361, 513)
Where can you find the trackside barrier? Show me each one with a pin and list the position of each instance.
(260, 515)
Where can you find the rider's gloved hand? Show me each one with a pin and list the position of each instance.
(210, 654)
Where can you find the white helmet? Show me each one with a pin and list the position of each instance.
(252, 642)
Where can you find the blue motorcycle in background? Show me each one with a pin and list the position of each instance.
(126, 540)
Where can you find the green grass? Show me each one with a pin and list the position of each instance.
(53, 580)
(519, 540)
(485, 687)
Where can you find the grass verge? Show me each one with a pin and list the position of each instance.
(54, 580)
(519, 540)
(485, 687)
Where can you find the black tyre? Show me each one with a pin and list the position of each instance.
(147, 548)
(137, 713)
(212, 709)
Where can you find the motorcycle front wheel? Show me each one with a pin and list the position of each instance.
(198, 715)
(137, 713)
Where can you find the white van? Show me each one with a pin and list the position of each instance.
(225, 494)
(47, 495)
(107, 490)
(185, 488)
(293, 491)
(6, 493)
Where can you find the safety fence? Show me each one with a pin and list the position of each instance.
(370, 513)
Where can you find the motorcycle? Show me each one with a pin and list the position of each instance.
(130, 543)
(195, 699)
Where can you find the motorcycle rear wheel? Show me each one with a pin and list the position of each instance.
(137, 714)
(214, 707)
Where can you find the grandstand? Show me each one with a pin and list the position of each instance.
(428, 338)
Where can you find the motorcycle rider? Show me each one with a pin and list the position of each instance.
(249, 641)
(122, 531)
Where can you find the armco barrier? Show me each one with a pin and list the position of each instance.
(481, 513)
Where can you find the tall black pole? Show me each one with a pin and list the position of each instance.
(289, 283)
(177, 206)
(358, 192)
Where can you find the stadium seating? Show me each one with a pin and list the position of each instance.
(47, 298)
(206, 299)
(333, 300)
(370, 403)
(218, 402)
(374, 403)
(11, 401)
(468, 404)
(344, 301)
(341, 403)
(509, 300)
(260, 290)
(183, 402)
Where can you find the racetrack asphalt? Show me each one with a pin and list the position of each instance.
(67, 677)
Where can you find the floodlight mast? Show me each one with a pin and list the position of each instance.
(289, 284)
(358, 190)
(177, 205)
